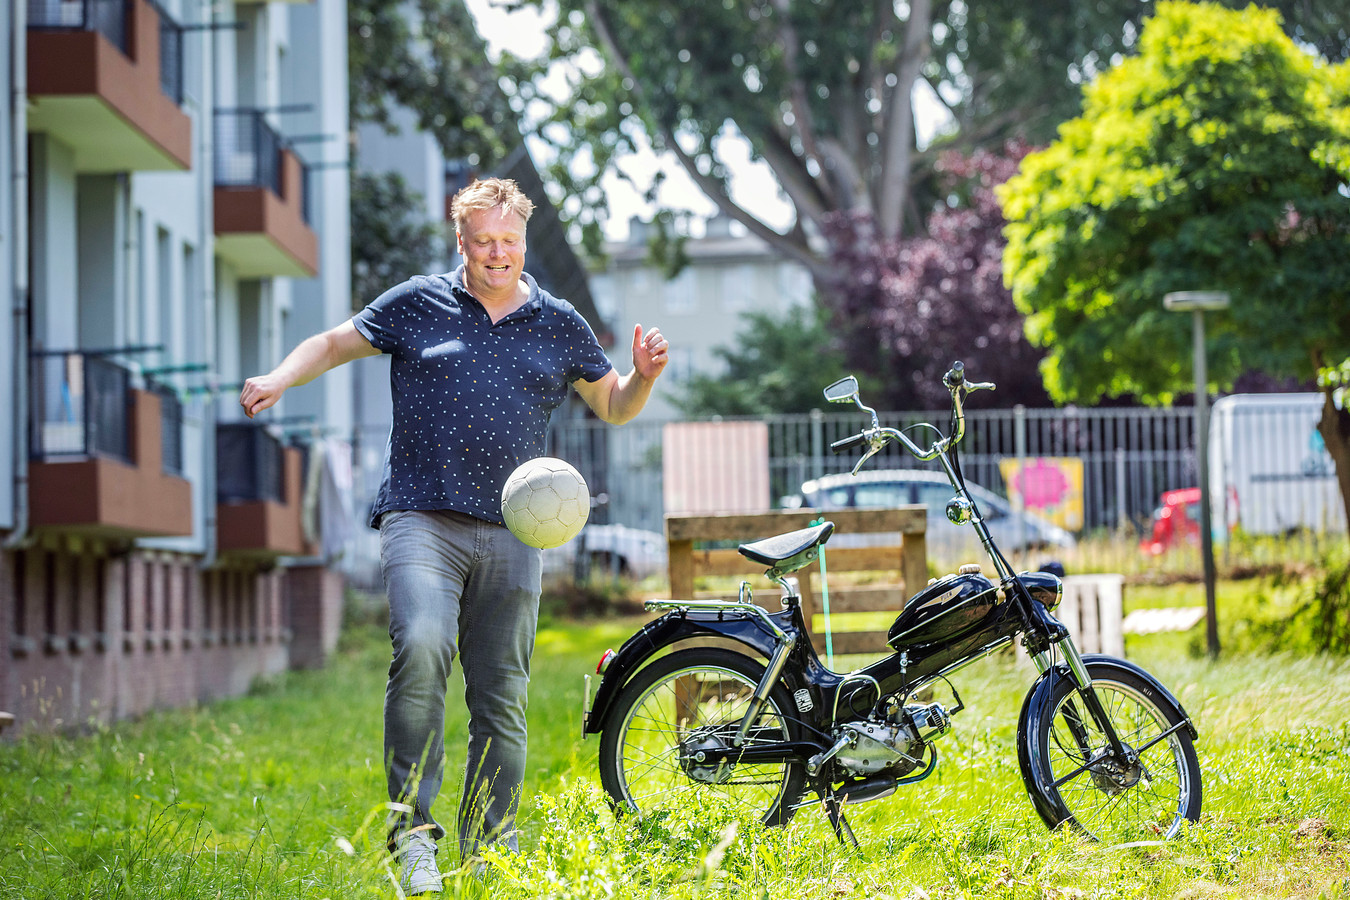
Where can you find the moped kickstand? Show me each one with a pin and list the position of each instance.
(834, 810)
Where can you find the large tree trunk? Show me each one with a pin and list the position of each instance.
(1335, 430)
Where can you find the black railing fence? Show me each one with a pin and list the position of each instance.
(108, 17)
(248, 150)
(170, 55)
(171, 435)
(80, 406)
(250, 464)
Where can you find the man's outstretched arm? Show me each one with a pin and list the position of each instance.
(311, 358)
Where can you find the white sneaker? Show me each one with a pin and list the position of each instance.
(417, 854)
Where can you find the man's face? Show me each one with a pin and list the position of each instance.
(492, 242)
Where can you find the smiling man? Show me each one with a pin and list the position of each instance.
(480, 358)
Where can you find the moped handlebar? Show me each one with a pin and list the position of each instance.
(848, 443)
(876, 437)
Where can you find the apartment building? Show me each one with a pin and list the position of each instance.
(173, 189)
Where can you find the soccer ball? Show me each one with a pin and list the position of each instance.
(545, 502)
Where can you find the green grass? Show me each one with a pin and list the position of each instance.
(279, 795)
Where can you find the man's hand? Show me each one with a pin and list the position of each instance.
(261, 392)
(650, 352)
(314, 356)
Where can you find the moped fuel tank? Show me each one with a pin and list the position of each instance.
(945, 611)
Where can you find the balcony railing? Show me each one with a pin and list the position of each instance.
(250, 464)
(107, 17)
(110, 18)
(248, 150)
(170, 55)
(81, 405)
(171, 435)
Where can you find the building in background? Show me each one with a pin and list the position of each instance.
(730, 273)
(174, 186)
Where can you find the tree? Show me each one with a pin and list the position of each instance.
(427, 56)
(388, 239)
(823, 91)
(1218, 158)
(778, 364)
(914, 305)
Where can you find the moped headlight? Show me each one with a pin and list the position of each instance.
(959, 511)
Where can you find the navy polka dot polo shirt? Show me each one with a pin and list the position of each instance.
(472, 399)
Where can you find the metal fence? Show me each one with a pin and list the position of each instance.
(1122, 461)
(170, 55)
(248, 150)
(107, 17)
(250, 464)
(80, 406)
(171, 432)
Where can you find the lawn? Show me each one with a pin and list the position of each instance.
(279, 794)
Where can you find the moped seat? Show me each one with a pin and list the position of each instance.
(783, 550)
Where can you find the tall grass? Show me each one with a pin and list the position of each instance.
(279, 795)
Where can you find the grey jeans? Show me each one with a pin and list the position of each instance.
(457, 586)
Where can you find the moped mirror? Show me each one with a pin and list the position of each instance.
(844, 390)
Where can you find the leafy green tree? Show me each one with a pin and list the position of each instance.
(1218, 158)
(778, 364)
(823, 91)
(427, 56)
(389, 239)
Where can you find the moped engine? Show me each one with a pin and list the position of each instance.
(894, 745)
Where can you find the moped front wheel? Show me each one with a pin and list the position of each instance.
(666, 741)
(1147, 795)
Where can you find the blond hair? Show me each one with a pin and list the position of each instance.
(490, 193)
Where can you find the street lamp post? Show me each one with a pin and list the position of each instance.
(1197, 303)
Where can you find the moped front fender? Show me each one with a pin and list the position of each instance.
(1034, 707)
(660, 634)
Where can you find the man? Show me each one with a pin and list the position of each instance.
(480, 358)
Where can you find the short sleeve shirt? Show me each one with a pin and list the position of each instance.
(471, 398)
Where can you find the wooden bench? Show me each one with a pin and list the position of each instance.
(908, 560)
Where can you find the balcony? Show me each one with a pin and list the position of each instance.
(262, 222)
(97, 451)
(105, 77)
(258, 488)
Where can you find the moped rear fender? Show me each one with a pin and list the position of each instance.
(1037, 704)
(660, 634)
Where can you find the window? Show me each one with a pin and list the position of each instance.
(885, 494)
(679, 293)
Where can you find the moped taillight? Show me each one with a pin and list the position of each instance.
(604, 661)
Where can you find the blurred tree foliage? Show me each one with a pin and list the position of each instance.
(917, 303)
(390, 241)
(427, 57)
(1216, 159)
(778, 364)
(823, 91)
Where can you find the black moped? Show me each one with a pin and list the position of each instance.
(1103, 747)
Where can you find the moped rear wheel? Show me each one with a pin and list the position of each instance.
(1108, 798)
(688, 703)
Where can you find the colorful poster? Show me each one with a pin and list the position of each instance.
(1050, 487)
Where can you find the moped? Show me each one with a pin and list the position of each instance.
(1103, 747)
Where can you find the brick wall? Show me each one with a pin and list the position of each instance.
(93, 631)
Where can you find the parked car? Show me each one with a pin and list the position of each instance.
(901, 487)
(618, 549)
(1176, 521)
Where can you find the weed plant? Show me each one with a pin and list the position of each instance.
(279, 795)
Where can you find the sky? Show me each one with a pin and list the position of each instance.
(752, 184)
